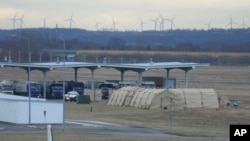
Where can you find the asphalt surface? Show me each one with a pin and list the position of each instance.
(9, 127)
(104, 127)
(88, 126)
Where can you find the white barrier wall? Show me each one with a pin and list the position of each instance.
(17, 110)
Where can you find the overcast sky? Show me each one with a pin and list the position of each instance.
(189, 14)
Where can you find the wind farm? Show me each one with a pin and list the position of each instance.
(156, 23)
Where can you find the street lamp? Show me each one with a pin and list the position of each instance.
(63, 80)
(29, 79)
(28, 44)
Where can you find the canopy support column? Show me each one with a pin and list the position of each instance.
(139, 78)
(76, 73)
(92, 69)
(168, 72)
(122, 75)
(186, 77)
(44, 83)
(92, 78)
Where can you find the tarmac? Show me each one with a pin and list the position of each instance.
(89, 126)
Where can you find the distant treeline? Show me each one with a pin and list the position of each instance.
(41, 42)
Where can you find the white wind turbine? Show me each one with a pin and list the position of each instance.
(172, 23)
(141, 24)
(97, 24)
(231, 23)
(209, 24)
(155, 22)
(162, 22)
(21, 21)
(44, 22)
(14, 20)
(243, 23)
(114, 24)
(70, 20)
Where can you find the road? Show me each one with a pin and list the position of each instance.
(89, 126)
(104, 127)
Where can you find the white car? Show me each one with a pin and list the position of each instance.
(71, 96)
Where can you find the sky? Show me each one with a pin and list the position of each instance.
(126, 14)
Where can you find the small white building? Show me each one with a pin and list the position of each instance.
(21, 110)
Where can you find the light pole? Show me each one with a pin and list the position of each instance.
(28, 42)
(63, 80)
(29, 79)
(29, 100)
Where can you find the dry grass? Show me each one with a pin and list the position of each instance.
(212, 123)
(79, 136)
(195, 122)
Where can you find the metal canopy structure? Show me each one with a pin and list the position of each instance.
(134, 67)
(137, 67)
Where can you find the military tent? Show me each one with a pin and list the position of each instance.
(148, 98)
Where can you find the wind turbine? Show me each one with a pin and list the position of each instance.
(141, 24)
(70, 20)
(21, 21)
(44, 22)
(96, 24)
(172, 23)
(113, 24)
(243, 23)
(14, 20)
(231, 23)
(155, 22)
(162, 21)
(209, 24)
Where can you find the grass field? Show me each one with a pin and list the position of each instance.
(212, 124)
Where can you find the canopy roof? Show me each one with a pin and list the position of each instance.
(134, 66)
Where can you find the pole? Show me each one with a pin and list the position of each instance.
(63, 83)
(29, 79)
(29, 95)
(171, 118)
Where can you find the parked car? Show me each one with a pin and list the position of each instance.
(71, 96)
(106, 85)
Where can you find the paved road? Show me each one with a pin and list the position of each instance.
(4, 127)
(98, 127)
(88, 126)
(104, 127)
